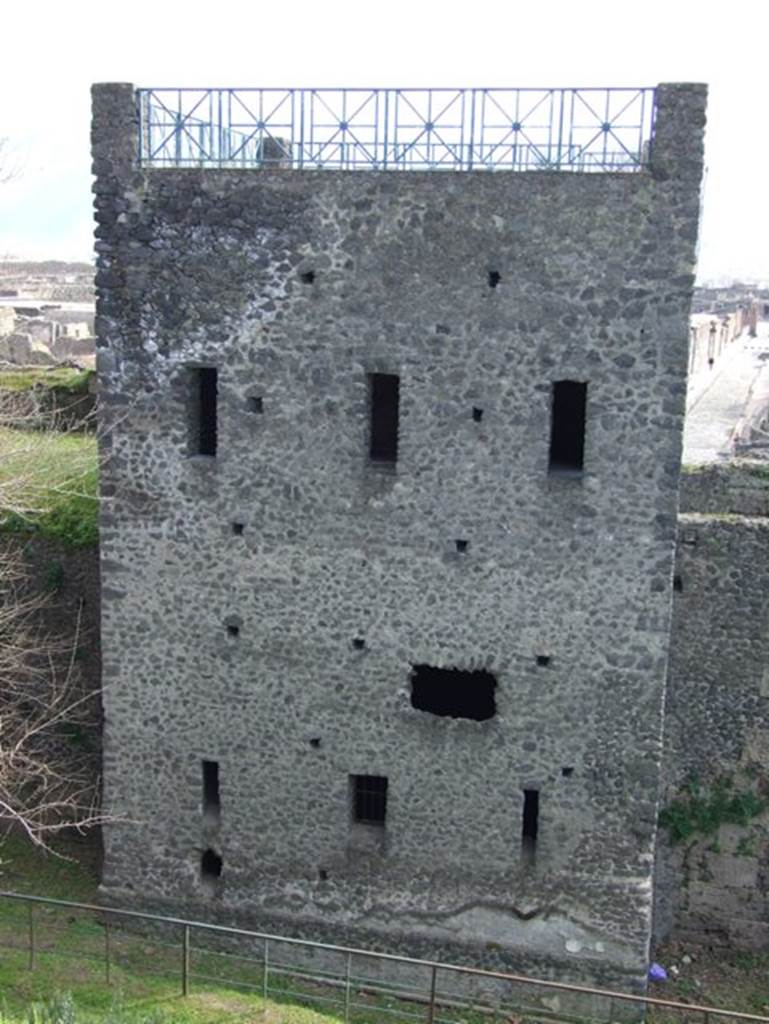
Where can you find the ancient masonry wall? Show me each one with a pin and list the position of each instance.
(264, 608)
(713, 884)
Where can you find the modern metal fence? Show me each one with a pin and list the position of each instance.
(398, 129)
(351, 984)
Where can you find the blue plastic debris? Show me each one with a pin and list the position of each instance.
(657, 973)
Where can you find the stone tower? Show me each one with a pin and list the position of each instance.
(390, 469)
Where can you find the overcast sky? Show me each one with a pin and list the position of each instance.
(53, 51)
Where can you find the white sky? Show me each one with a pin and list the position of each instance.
(53, 49)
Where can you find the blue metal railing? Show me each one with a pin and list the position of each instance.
(398, 129)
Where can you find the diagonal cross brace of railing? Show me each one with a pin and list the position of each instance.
(398, 129)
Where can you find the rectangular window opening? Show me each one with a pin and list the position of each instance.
(211, 804)
(454, 692)
(567, 436)
(369, 799)
(385, 396)
(530, 824)
(203, 413)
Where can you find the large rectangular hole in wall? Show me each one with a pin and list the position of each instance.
(203, 413)
(567, 432)
(385, 398)
(369, 799)
(453, 692)
(211, 804)
(530, 825)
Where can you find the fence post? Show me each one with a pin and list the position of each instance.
(265, 968)
(106, 950)
(186, 961)
(431, 1006)
(31, 907)
(347, 989)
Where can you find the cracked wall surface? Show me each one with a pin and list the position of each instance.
(297, 285)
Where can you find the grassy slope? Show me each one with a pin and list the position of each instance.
(65, 377)
(48, 483)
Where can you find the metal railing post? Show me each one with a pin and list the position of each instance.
(186, 961)
(31, 936)
(106, 951)
(347, 989)
(265, 970)
(431, 1005)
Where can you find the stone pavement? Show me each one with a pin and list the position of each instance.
(718, 413)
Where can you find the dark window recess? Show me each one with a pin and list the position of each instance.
(567, 437)
(233, 630)
(369, 799)
(254, 403)
(210, 865)
(567, 772)
(203, 411)
(530, 823)
(494, 278)
(453, 693)
(385, 388)
(678, 584)
(237, 529)
(358, 643)
(211, 806)
(477, 414)
(462, 545)
(308, 276)
(543, 660)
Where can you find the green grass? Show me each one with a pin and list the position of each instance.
(66, 378)
(48, 485)
(144, 982)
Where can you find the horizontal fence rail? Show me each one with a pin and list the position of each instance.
(398, 129)
(349, 982)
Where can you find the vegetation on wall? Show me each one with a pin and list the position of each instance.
(700, 811)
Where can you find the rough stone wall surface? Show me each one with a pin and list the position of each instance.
(714, 886)
(205, 268)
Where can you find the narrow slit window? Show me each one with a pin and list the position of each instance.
(567, 437)
(369, 799)
(203, 413)
(530, 825)
(211, 804)
(385, 398)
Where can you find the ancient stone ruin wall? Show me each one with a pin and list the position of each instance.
(264, 607)
(713, 884)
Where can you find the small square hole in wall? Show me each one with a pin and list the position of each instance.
(359, 643)
(477, 414)
(237, 529)
(210, 866)
(255, 403)
(308, 276)
(567, 772)
(678, 584)
(233, 630)
(315, 742)
(494, 278)
(322, 875)
(543, 660)
(462, 546)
